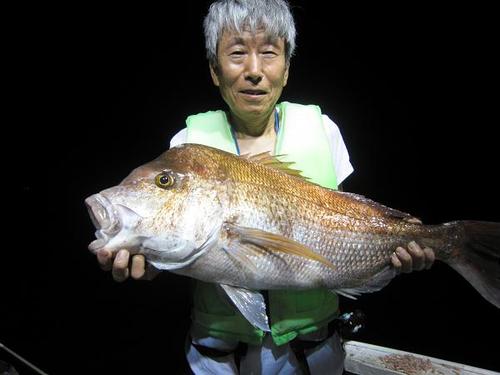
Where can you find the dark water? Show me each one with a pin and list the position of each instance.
(96, 92)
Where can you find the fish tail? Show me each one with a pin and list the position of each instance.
(477, 257)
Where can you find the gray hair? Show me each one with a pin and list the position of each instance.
(272, 15)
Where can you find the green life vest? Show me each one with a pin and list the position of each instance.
(302, 139)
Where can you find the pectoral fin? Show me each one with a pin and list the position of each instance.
(275, 243)
(251, 304)
(242, 254)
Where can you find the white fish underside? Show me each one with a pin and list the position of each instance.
(355, 260)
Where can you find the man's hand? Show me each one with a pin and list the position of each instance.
(121, 267)
(414, 258)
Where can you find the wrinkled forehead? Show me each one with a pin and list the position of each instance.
(233, 36)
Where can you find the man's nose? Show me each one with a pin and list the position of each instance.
(253, 71)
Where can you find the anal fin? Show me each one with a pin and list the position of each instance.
(375, 283)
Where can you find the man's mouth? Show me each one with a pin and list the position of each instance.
(253, 92)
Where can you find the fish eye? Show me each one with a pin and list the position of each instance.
(165, 180)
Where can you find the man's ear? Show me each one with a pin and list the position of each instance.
(213, 73)
(285, 78)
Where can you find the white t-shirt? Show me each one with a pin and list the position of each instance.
(340, 156)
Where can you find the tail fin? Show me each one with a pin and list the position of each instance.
(478, 261)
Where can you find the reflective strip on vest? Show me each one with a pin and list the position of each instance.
(301, 138)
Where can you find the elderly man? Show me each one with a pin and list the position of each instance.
(249, 47)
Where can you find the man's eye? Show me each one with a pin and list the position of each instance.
(237, 53)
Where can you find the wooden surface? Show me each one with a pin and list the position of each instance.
(367, 359)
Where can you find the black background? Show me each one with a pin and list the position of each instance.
(94, 91)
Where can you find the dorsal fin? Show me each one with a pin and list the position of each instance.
(272, 161)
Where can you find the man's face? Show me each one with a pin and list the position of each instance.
(251, 72)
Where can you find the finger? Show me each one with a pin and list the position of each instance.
(405, 259)
(396, 263)
(105, 259)
(120, 269)
(138, 268)
(418, 256)
(430, 257)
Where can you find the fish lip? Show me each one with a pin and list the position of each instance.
(97, 244)
(103, 215)
(110, 219)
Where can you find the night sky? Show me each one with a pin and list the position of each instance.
(95, 92)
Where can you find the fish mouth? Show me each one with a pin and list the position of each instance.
(104, 217)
